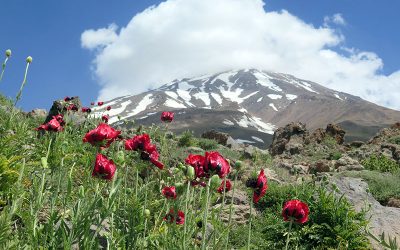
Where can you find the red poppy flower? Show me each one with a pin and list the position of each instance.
(228, 187)
(178, 218)
(108, 108)
(100, 103)
(72, 107)
(195, 183)
(260, 187)
(167, 116)
(102, 133)
(214, 162)
(105, 118)
(295, 210)
(52, 125)
(86, 110)
(137, 142)
(197, 162)
(67, 99)
(104, 168)
(60, 119)
(92, 103)
(169, 192)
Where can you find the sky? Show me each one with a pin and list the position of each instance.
(99, 49)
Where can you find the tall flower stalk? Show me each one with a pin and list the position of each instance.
(18, 97)
(3, 67)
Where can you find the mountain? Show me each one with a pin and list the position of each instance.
(250, 104)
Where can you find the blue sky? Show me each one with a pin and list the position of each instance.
(50, 31)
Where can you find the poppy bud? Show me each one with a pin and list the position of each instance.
(181, 166)
(8, 53)
(238, 164)
(29, 59)
(147, 213)
(190, 173)
(215, 181)
(44, 162)
(180, 188)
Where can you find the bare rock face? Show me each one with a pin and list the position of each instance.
(393, 202)
(60, 107)
(383, 219)
(37, 113)
(289, 139)
(220, 137)
(336, 132)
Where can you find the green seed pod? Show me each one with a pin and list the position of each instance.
(29, 59)
(215, 181)
(181, 166)
(147, 213)
(238, 164)
(179, 187)
(190, 172)
(8, 53)
(44, 162)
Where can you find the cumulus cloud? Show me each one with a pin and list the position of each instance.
(186, 38)
(336, 19)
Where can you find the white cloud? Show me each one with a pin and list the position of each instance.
(91, 39)
(185, 38)
(336, 19)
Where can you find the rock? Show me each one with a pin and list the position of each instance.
(233, 144)
(294, 133)
(336, 132)
(393, 202)
(209, 230)
(381, 218)
(240, 207)
(396, 125)
(321, 166)
(220, 137)
(346, 160)
(356, 144)
(317, 136)
(300, 169)
(357, 167)
(60, 107)
(37, 113)
(294, 148)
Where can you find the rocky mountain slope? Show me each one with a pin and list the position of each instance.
(250, 104)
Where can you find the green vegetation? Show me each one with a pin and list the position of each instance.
(381, 163)
(395, 140)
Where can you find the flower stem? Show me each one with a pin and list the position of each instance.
(230, 212)
(287, 238)
(22, 85)
(3, 68)
(249, 237)
(186, 209)
(203, 235)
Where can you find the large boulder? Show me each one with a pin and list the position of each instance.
(220, 137)
(60, 107)
(289, 139)
(335, 131)
(37, 113)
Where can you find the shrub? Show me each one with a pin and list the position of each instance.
(395, 140)
(186, 139)
(207, 144)
(380, 163)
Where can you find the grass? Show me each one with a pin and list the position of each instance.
(57, 203)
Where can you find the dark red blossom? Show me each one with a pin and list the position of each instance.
(86, 110)
(100, 103)
(197, 162)
(104, 168)
(169, 192)
(53, 125)
(214, 162)
(60, 119)
(167, 116)
(148, 151)
(178, 218)
(195, 183)
(102, 134)
(67, 98)
(72, 107)
(92, 103)
(296, 211)
(260, 187)
(228, 186)
(108, 108)
(105, 118)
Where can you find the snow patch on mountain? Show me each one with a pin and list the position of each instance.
(257, 123)
(228, 122)
(174, 104)
(291, 97)
(141, 106)
(205, 97)
(264, 80)
(274, 97)
(257, 139)
(217, 98)
(273, 106)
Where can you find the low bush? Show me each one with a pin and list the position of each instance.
(380, 163)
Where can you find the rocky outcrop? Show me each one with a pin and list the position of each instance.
(61, 106)
(335, 131)
(382, 219)
(220, 137)
(37, 113)
(289, 139)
